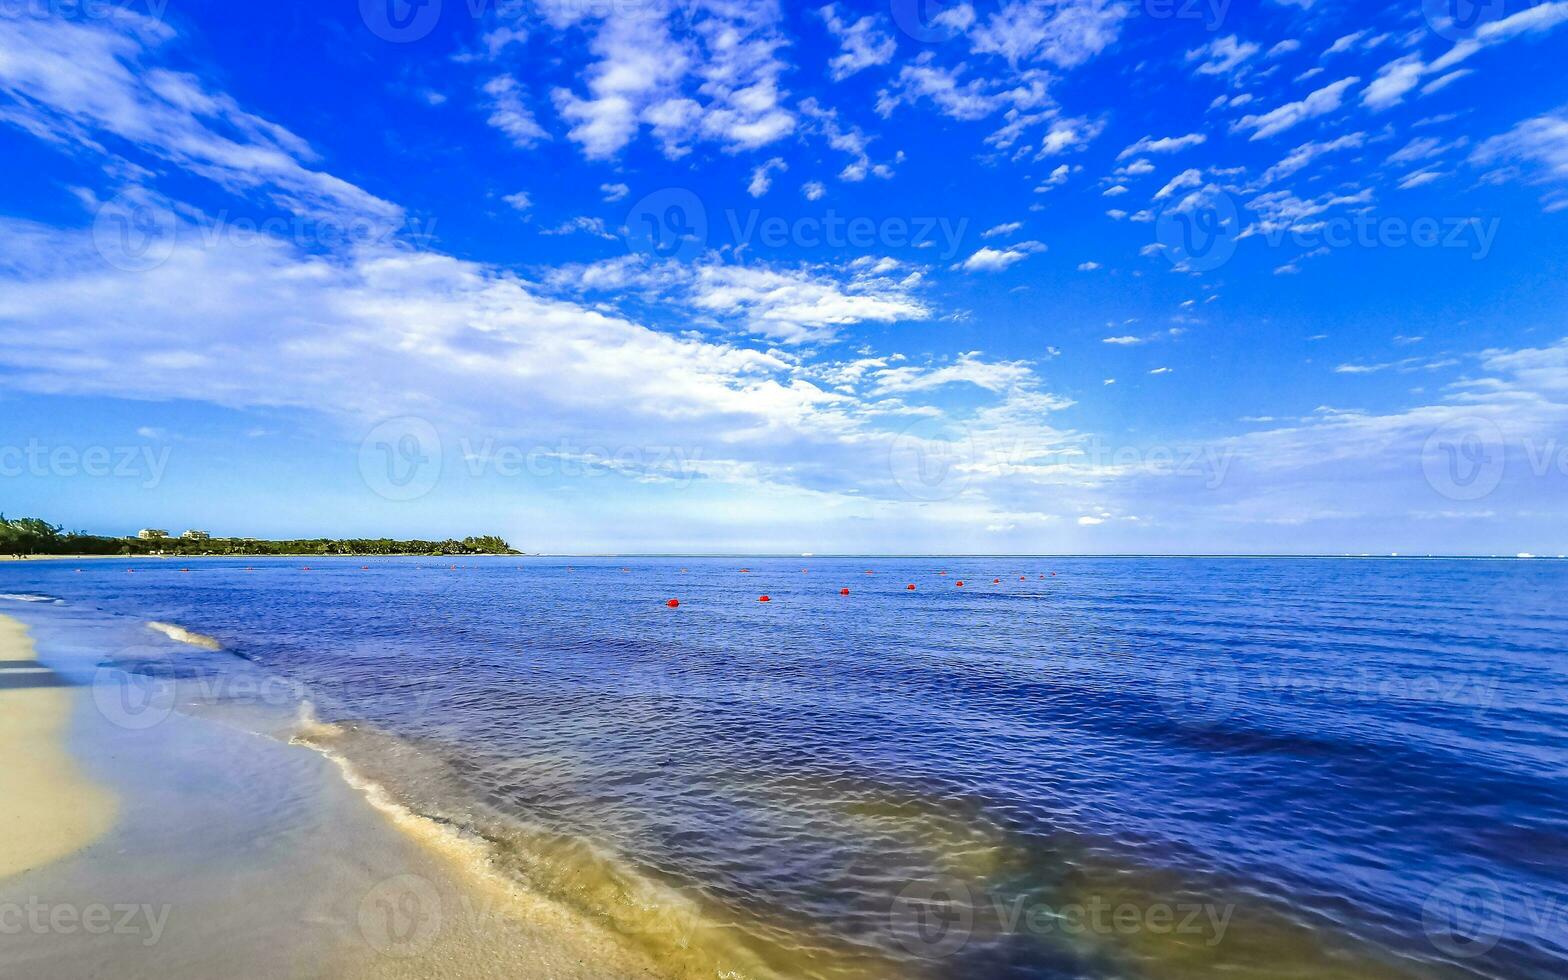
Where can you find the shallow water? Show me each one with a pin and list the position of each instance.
(1091, 768)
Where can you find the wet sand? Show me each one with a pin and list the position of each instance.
(48, 808)
(171, 839)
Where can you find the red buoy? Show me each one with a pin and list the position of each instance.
(364, 568)
(673, 603)
(1021, 578)
(910, 586)
(996, 581)
(763, 598)
(843, 592)
(960, 583)
(745, 569)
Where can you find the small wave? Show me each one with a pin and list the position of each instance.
(183, 635)
(31, 597)
(542, 873)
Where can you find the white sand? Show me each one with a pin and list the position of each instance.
(48, 808)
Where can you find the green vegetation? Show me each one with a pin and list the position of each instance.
(31, 536)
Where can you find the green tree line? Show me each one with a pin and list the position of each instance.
(32, 536)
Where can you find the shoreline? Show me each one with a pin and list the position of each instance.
(228, 844)
(625, 556)
(51, 810)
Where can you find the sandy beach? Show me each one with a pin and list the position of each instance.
(143, 841)
(49, 808)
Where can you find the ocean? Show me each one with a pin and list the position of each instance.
(1059, 768)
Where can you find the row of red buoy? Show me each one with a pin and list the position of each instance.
(675, 603)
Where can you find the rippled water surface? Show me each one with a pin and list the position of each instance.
(1062, 768)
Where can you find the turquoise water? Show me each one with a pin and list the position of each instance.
(1085, 768)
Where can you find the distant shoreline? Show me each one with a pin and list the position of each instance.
(626, 555)
(256, 555)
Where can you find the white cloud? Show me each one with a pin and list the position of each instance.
(614, 192)
(762, 176)
(1419, 179)
(1088, 266)
(75, 83)
(1183, 180)
(862, 43)
(1324, 100)
(510, 114)
(520, 201)
(1006, 228)
(1223, 55)
(1345, 43)
(1443, 81)
(1393, 81)
(582, 224)
(1540, 143)
(1057, 178)
(1165, 144)
(813, 190)
(792, 304)
(1397, 78)
(988, 259)
(967, 369)
(708, 72)
(1304, 154)
(1065, 33)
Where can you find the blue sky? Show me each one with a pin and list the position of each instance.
(598, 275)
